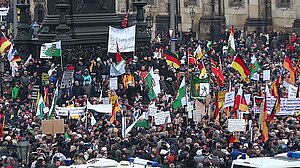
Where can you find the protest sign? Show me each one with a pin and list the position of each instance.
(100, 108)
(53, 126)
(247, 98)
(45, 77)
(229, 99)
(74, 111)
(266, 75)
(156, 87)
(288, 106)
(125, 38)
(106, 100)
(236, 125)
(152, 109)
(113, 83)
(66, 81)
(160, 118)
(292, 91)
(117, 70)
(35, 92)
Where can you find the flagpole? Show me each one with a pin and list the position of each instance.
(61, 59)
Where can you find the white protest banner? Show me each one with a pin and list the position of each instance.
(236, 125)
(113, 83)
(160, 118)
(124, 37)
(152, 109)
(66, 81)
(117, 70)
(100, 108)
(266, 75)
(197, 115)
(74, 111)
(229, 99)
(247, 98)
(292, 91)
(288, 106)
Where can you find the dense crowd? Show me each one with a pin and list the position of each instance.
(181, 143)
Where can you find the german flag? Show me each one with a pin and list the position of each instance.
(202, 69)
(288, 65)
(264, 128)
(275, 87)
(276, 109)
(233, 139)
(115, 109)
(171, 59)
(4, 43)
(239, 65)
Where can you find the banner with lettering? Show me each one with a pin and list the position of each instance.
(125, 38)
(74, 111)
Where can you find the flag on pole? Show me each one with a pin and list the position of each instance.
(198, 54)
(40, 108)
(275, 109)
(181, 96)
(254, 67)
(119, 57)
(53, 104)
(288, 65)
(53, 49)
(151, 83)
(275, 87)
(264, 128)
(240, 101)
(202, 70)
(239, 65)
(142, 119)
(171, 59)
(125, 21)
(28, 59)
(231, 42)
(4, 43)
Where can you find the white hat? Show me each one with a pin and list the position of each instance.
(8, 138)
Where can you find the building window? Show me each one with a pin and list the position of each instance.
(190, 2)
(283, 3)
(236, 3)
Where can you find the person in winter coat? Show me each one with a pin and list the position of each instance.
(86, 77)
(128, 79)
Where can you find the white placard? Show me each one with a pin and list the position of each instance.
(117, 70)
(152, 109)
(124, 37)
(113, 83)
(160, 118)
(229, 99)
(292, 91)
(204, 89)
(197, 115)
(66, 81)
(156, 87)
(248, 98)
(236, 125)
(100, 108)
(288, 106)
(74, 111)
(266, 75)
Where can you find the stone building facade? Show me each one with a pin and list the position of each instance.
(38, 10)
(217, 15)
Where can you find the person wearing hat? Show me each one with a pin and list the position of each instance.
(86, 77)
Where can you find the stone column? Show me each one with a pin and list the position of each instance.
(296, 24)
(63, 29)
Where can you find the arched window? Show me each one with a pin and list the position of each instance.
(39, 13)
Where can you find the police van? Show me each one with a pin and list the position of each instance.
(284, 160)
(109, 163)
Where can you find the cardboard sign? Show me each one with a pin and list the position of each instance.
(45, 77)
(53, 126)
(66, 81)
(160, 118)
(236, 125)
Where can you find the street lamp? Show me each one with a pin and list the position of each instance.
(149, 22)
(23, 147)
(192, 15)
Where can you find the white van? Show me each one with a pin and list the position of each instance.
(284, 160)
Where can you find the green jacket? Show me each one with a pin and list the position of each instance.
(15, 92)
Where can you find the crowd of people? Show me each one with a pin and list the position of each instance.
(182, 143)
